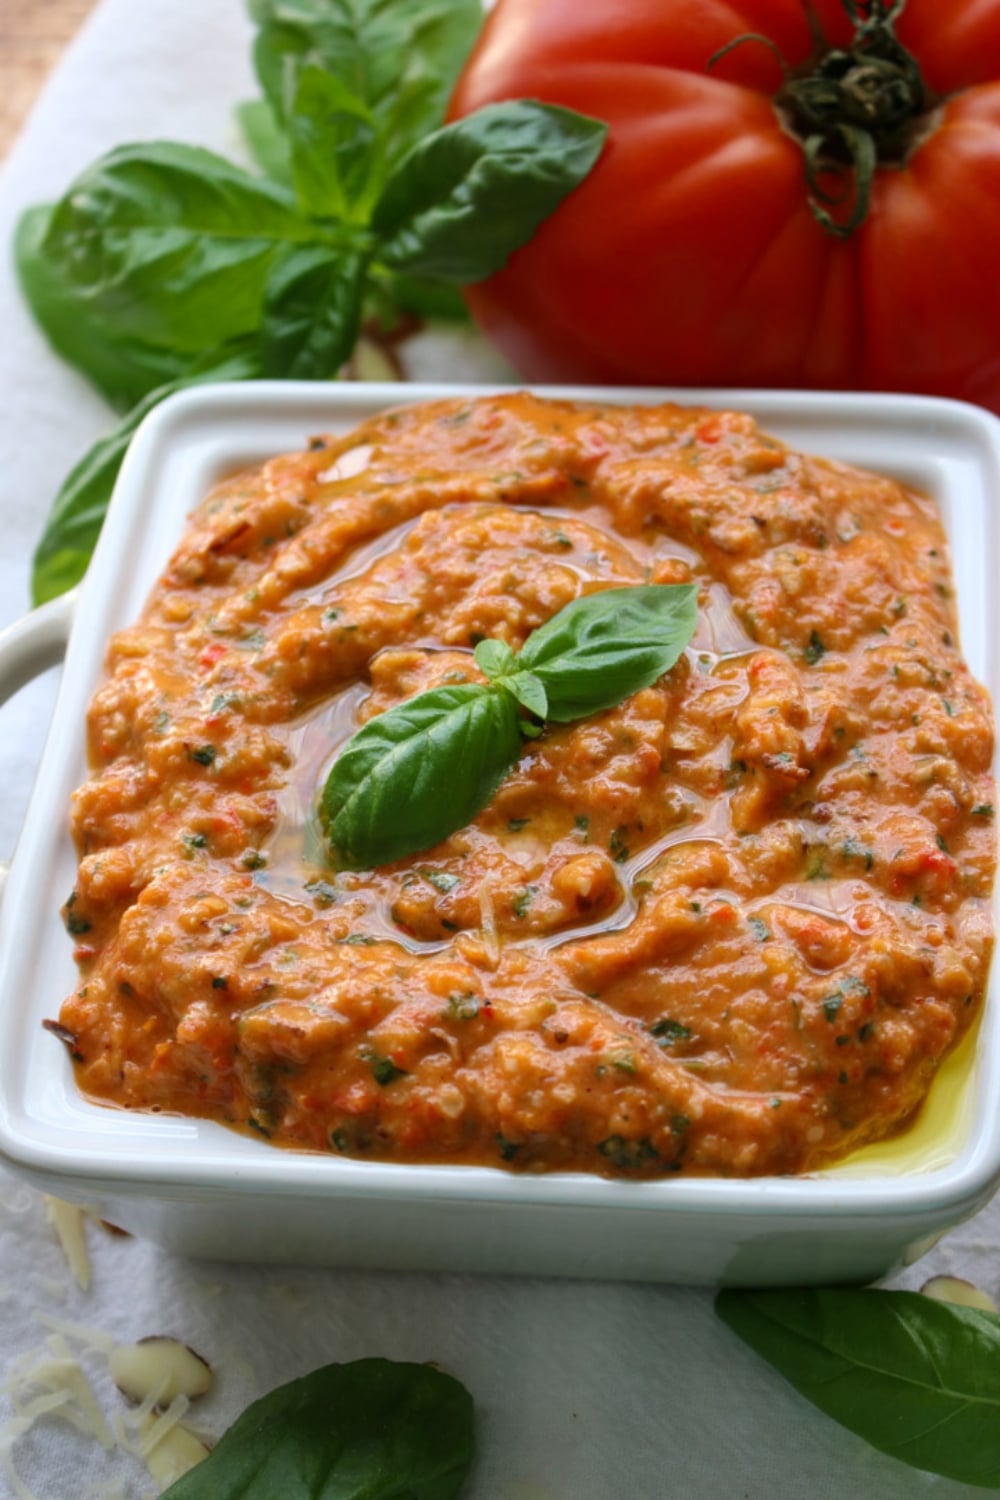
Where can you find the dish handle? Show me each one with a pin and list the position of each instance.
(29, 647)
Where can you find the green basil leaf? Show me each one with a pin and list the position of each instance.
(265, 139)
(172, 244)
(401, 61)
(494, 658)
(917, 1378)
(312, 311)
(469, 195)
(123, 369)
(370, 1430)
(77, 515)
(428, 299)
(599, 649)
(529, 692)
(416, 773)
(333, 144)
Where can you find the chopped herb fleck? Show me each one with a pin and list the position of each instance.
(582, 825)
(220, 982)
(617, 847)
(523, 900)
(515, 825)
(194, 840)
(253, 859)
(204, 754)
(464, 1005)
(358, 939)
(322, 892)
(984, 810)
(668, 1031)
(628, 1155)
(759, 928)
(508, 1149)
(815, 649)
(384, 1070)
(441, 880)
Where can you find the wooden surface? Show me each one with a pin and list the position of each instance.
(33, 34)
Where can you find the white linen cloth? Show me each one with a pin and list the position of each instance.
(584, 1391)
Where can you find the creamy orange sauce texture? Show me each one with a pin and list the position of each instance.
(729, 927)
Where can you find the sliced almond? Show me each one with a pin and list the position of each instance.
(959, 1293)
(159, 1367)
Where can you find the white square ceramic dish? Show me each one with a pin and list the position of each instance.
(198, 1188)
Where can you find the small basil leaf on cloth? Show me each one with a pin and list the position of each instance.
(607, 645)
(413, 775)
(312, 311)
(333, 140)
(370, 1430)
(917, 1378)
(76, 518)
(528, 691)
(171, 244)
(124, 369)
(471, 193)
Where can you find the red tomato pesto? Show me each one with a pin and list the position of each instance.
(730, 926)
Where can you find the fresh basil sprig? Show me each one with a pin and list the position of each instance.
(416, 773)
(161, 258)
(370, 1430)
(917, 1378)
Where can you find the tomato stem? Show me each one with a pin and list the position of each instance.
(852, 109)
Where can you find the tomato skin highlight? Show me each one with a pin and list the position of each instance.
(691, 256)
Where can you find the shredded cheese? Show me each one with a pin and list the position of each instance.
(491, 940)
(50, 1381)
(67, 1221)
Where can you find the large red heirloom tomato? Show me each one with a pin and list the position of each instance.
(816, 205)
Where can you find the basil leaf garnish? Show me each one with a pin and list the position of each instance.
(425, 768)
(528, 691)
(172, 243)
(917, 1378)
(416, 773)
(600, 649)
(494, 658)
(312, 311)
(469, 195)
(372, 1428)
